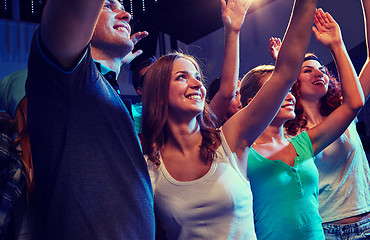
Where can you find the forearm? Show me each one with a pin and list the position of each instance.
(296, 39)
(67, 27)
(230, 66)
(351, 89)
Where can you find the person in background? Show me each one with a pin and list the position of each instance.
(16, 171)
(235, 104)
(91, 180)
(137, 81)
(286, 198)
(199, 172)
(344, 175)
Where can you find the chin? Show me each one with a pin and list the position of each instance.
(292, 117)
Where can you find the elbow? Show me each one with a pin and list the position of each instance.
(357, 105)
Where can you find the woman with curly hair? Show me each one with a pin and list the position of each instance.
(327, 103)
(199, 172)
(283, 176)
(344, 182)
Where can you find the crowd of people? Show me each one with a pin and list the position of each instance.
(275, 155)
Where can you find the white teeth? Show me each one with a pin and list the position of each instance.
(197, 97)
(318, 82)
(120, 28)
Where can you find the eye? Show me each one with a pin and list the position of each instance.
(108, 6)
(181, 77)
(307, 70)
(323, 71)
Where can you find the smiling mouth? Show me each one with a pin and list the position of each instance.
(290, 105)
(194, 97)
(121, 29)
(319, 82)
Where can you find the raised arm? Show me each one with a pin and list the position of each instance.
(365, 72)
(233, 14)
(67, 27)
(328, 34)
(245, 126)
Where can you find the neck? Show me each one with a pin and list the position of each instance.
(183, 136)
(102, 57)
(273, 133)
(312, 112)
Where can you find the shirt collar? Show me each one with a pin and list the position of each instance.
(102, 68)
(109, 75)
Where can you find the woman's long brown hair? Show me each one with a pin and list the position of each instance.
(155, 111)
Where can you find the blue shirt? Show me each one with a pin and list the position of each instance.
(91, 178)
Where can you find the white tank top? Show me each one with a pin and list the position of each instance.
(215, 206)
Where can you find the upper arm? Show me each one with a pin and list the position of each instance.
(365, 78)
(219, 106)
(326, 132)
(67, 27)
(246, 125)
(365, 72)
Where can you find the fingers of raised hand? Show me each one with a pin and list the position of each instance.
(138, 36)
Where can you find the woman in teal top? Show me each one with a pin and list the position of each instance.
(286, 199)
(283, 176)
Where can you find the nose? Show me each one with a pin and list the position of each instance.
(290, 97)
(123, 15)
(318, 73)
(195, 83)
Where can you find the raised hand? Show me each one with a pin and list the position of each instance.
(274, 47)
(132, 55)
(327, 30)
(233, 13)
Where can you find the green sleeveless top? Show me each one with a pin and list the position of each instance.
(285, 198)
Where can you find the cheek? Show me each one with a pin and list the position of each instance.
(327, 80)
(304, 86)
(176, 89)
(203, 91)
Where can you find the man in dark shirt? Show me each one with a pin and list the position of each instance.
(90, 176)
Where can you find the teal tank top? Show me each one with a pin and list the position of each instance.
(285, 198)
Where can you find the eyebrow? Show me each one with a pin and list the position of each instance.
(187, 72)
(116, 3)
(321, 67)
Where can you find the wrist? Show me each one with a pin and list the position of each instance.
(336, 46)
(232, 31)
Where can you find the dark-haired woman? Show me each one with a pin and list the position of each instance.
(344, 182)
(282, 172)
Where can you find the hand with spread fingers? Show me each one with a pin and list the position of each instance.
(233, 13)
(327, 30)
(274, 47)
(132, 55)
